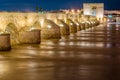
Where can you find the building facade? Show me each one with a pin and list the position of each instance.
(94, 9)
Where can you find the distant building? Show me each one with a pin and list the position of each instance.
(112, 12)
(94, 9)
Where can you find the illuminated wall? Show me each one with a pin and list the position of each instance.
(94, 9)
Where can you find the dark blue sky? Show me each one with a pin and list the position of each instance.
(29, 5)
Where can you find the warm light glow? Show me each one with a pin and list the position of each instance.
(4, 68)
(71, 23)
(67, 11)
(77, 24)
(61, 25)
(30, 21)
(55, 20)
(88, 22)
(49, 26)
(71, 43)
(32, 28)
(65, 20)
(62, 43)
(42, 22)
(99, 44)
(50, 53)
(87, 13)
(1, 32)
(83, 22)
(73, 11)
(78, 11)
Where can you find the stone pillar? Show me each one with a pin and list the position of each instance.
(64, 31)
(64, 28)
(93, 24)
(82, 26)
(30, 37)
(5, 44)
(78, 27)
(52, 33)
(90, 25)
(86, 25)
(72, 26)
(50, 30)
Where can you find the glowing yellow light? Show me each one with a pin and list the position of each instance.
(32, 28)
(65, 20)
(4, 68)
(50, 53)
(1, 32)
(71, 43)
(88, 22)
(77, 24)
(72, 10)
(67, 11)
(71, 23)
(49, 26)
(78, 11)
(61, 25)
(55, 20)
(62, 43)
(83, 22)
(42, 22)
(100, 45)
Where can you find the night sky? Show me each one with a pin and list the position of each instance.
(30, 5)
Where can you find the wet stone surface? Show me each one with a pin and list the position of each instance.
(92, 54)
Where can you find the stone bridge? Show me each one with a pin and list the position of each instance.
(19, 28)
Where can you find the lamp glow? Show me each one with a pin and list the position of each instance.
(32, 28)
(77, 24)
(61, 25)
(49, 26)
(71, 23)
